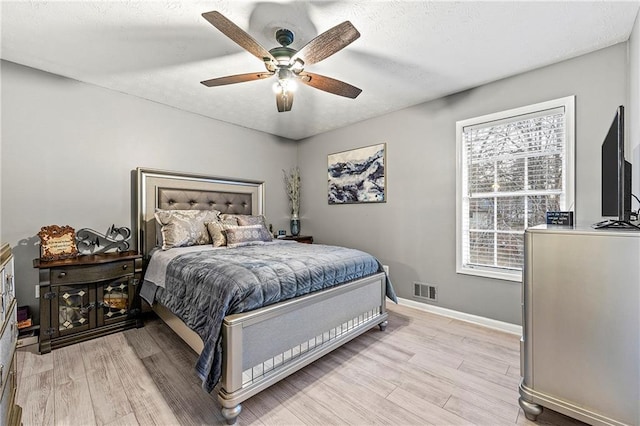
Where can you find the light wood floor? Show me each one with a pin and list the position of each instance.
(424, 369)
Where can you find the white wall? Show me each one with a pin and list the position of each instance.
(414, 231)
(69, 149)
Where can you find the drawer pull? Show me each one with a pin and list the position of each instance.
(124, 266)
(1, 373)
(62, 274)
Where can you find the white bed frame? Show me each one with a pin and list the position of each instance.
(263, 346)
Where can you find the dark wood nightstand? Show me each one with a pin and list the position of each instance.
(87, 296)
(306, 239)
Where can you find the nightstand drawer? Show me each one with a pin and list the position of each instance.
(91, 273)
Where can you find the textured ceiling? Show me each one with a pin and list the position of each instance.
(408, 52)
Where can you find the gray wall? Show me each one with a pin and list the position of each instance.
(414, 232)
(68, 149)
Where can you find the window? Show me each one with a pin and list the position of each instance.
(513, 167)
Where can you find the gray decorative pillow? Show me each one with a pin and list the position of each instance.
(229, 218)
(247, 235)
(181, 228)
(246, 220)
(216, 231)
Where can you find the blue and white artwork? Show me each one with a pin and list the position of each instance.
(357, 176)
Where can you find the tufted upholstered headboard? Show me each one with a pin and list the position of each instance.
(160, 189)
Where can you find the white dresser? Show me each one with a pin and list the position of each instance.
(10, 413)
(581, 324)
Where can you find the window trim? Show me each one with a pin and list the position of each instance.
(568, 103)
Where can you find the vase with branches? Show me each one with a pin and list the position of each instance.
(292, 187)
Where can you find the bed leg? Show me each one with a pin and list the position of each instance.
(531, 410)
(231, 414)
(383, 325)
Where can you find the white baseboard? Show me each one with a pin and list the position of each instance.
(462, 316)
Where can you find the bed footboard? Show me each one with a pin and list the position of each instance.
(264, 346)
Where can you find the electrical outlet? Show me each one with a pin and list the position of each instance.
(37, 291)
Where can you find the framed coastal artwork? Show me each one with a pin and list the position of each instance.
(358, 175)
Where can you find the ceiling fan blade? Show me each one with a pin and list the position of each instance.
(238, 78)
(237, 34)
(327, 43)
(330, 85)
(284, 101)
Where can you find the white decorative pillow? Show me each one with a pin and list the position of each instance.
(182, 228)
(247, 235)
(216, 231)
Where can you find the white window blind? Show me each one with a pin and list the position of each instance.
(513, 167)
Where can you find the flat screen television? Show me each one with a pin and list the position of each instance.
(616, 178)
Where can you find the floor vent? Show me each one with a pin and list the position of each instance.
(425, 291)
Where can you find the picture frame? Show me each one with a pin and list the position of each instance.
(357, 175)
(57, 242)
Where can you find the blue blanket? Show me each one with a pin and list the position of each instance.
(204, 287)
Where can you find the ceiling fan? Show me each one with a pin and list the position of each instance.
(288, 64)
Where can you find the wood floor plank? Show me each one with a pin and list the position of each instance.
(475, 414)
(190, 404)
(324, 391)
(363, 376)
(417, 342)
(424, 369)
(34, 363)
(457, 350)
(430, 413)
(510, 355)
(336, 403)
(36, 397)
(378, 410)
(19, 363)
(128, 420)
(505, 380)
(174, 347)
(379, 349)
(514, 372)
(491, 406)
(308, 408)
(109, 401)
(142, 342)
(147, 402)
(93, 354)
(267, 408)
(68, 364)
(72, 397)
(73, 402)
(468, 381)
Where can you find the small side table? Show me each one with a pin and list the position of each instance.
(306, 239)
(87, 296)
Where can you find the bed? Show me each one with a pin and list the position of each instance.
(261, 346)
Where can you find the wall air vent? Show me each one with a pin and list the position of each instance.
(425, 291)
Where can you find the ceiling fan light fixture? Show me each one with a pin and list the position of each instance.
(285, 86)
(297, 65)
(288, 64)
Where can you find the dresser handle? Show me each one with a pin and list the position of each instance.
(62, 274)
(124, 266)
